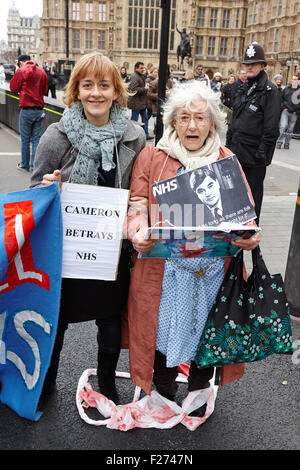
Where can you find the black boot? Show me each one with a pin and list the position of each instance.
(164, 378)
(49, 386)
(106, 372)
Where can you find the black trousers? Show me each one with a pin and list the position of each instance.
(85, 300)
(255, 177)
(108, 338)
(164, 377)
(52, 89)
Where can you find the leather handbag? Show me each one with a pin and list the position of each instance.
(249, 320)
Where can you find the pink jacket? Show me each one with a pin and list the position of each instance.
(141, 316)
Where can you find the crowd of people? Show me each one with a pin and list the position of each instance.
(86, 146)
(142, 88)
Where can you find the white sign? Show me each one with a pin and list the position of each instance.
(93, 220)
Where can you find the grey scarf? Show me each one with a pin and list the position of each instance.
(95, 144)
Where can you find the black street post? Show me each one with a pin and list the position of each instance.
(67, 67)
(67, 29)
(163, 64)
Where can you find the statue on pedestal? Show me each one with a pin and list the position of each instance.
(184, 47)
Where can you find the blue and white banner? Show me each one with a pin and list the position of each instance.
(30, 283)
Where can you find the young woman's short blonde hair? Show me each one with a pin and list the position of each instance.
(100, 66)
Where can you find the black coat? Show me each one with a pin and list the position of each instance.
(52, 79)
(254, 126)
(235, 88)
(287, 103)
(228, 95)
(138, 93)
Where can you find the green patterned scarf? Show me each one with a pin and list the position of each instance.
(95, 144)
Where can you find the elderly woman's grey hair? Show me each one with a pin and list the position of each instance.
(185, 94)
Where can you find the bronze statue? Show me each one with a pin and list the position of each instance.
(184, 47)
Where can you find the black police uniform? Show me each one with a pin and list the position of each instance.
(254, 127)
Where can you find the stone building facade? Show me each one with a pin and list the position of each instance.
(276, 25)
(129, 30)
(218, 34)
(126, 31)
(23, 34)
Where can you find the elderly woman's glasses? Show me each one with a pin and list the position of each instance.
(200, 119)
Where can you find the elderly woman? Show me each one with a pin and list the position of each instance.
(164, 327)
(94, 143)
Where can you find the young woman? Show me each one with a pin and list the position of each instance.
(94, 143)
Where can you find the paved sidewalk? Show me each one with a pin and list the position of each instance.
(276, 223)
(279, 203)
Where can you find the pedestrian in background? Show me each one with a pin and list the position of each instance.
(124, 75)
(290, 112)
(2, 75)
(216, 83)
(200, 75)
(164, 328)
(31, 82)
(227, 92)
(94, 143)
(137, 100)
(241, 78)
(150, 78)
(254, 126)
(278, 80)
(153, 94)
(52, 75)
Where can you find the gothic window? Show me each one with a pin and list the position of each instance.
(56, 37)
(199, 45)
(276, 39)
(101, 39)
(223, 46)
(211, 46)
(55, 8)
(172, 25)
(245, 18)
(75, 11)
(201, 17)
(88, 11)
(213, 18)
(226, 19)
(234, 48)
(144, 24)
(76, 38)
(102, 11)
(255, 12)
(88, 39)
(237, 18)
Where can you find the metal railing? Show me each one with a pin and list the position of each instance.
(9, 110)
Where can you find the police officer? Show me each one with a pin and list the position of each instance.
(253, 128)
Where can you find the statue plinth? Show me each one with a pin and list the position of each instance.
(178, 74)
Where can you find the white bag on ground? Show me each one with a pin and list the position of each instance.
(154, 411)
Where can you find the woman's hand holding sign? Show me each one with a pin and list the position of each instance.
(50, 178)
(140, 244)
